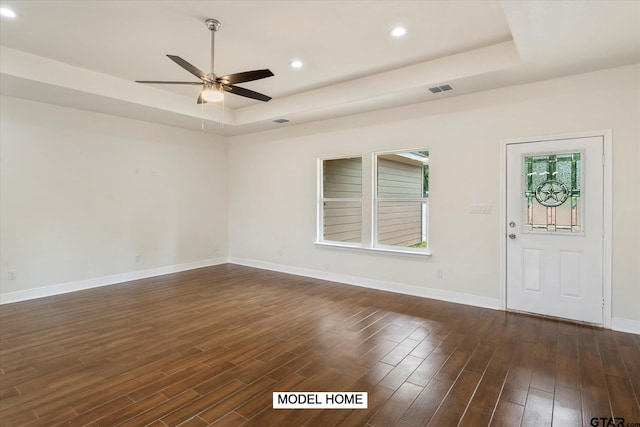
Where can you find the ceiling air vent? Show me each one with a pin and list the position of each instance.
(280, 121)
(443, 88)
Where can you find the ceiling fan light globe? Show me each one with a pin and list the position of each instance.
(212, 95)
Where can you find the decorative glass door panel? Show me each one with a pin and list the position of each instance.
(552, 193)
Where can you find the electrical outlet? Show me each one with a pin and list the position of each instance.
(440, 273)
(12, 275)
(137, 258)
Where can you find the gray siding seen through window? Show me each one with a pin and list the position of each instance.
(399, 222)
(342, 179)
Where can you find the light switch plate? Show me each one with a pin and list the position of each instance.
(482, 209)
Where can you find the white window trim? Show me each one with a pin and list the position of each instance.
(367, 243)
(389, 250)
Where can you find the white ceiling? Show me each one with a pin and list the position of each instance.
(87, 54)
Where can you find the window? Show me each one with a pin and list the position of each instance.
(389, 215)
(552, 193)
(341, 200)
(401, 199)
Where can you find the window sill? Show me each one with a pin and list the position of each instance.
(381, 251)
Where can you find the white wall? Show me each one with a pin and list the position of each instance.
(272, 183)
(83, 193)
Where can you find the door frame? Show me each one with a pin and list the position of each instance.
(607, 211)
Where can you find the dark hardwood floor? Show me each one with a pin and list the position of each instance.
(209, 347)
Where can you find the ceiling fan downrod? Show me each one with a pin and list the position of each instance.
(213, 25)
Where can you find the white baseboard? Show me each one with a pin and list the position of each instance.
(401, 288)
(113, 279)
(625, 325)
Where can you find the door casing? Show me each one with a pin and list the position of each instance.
(607, 211)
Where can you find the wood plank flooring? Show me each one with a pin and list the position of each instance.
(210, 346)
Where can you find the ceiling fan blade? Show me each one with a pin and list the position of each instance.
(247, 76)
(237, 90)
(190, 68)
(168, 83)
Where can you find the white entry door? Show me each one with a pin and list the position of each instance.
(554, 228)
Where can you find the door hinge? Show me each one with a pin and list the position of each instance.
(602, 302)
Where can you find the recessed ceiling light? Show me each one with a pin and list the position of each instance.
(296, 63)
(398, 31)
(5, 11)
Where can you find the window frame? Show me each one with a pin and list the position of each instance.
(368, 202)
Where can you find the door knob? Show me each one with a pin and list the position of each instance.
(512, 236)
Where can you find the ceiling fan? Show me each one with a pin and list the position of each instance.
(213, 87)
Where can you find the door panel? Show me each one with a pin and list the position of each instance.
(532, 269)
(571, 273)
(554, 228)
